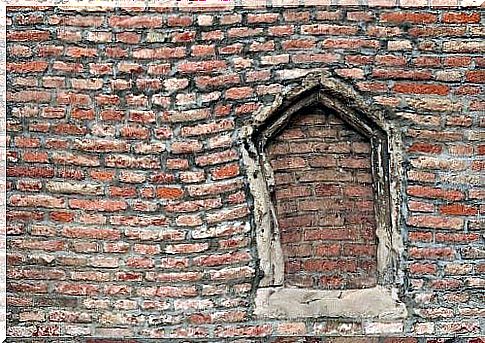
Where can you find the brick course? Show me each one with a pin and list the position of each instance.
(128, 209)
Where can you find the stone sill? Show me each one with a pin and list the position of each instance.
(292, 303)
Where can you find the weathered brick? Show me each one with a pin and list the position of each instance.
(159, 53)
(415, 88)
(27, 67)
(36, 201)
(27, 36)
(432, 193)
(201, 67)
(135, 22)
(123, 145)
(410, 17)
(326, 29)
(436, 222)
(432, 253)
(460, 17)
(476, 76)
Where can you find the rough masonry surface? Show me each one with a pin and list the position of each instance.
(129, 213)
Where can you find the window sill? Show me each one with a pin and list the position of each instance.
(292, 303)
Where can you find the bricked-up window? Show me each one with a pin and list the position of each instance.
(324, 202)
(326, 221)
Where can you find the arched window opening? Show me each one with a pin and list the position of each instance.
(324, 201)
(318, 169)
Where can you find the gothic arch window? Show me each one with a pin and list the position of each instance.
(326, 223)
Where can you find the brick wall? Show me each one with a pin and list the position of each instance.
(325, 203)
(129, 212)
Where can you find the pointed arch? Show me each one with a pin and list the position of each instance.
(328, 93)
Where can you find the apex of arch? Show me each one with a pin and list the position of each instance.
(318, 88)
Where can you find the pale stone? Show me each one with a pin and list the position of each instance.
(74, 188)
(424, 328)
(373, 328)
(377, 302)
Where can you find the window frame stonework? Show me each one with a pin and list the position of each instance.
(273, 300)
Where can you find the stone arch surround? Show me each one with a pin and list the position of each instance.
(274, 299)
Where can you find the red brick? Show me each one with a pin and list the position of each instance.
(350, 43)
(77, 289)
(19, 50)
(401, 74)
(244, 331)
(262, 18)
(360, 16)
(459, 238)
(128, 37)
(432, 253)
(416, 88)
(159, 53)
(422, 268)
(436, 222)
(426, 148)
(280, 30)
(27, 67)
(203, 50)
(383, 31)
(476, 76)
(76, 52)
(410, 17)
(177, 20)
(90, 232)
(27, 36)
(46, 245)
(458, 210)
(391, 60)
(29, 96)
(201, 67)
(213, 35)
(328, 15)
(224, 172)
(186, 146)
(265, 46)
(243, 32)
(98, 205)
(327, 234)
(445, 284)
(437, 31)
(300, 16)
(223, 259)
(64, 98)
(35, 157)
(435, 193)
(169, 192)
(420, 206)
(327, 29)
(36, 201)
(27, 142)
(139, 262)
(27, 287)
(461, 17)
(231, 49)
(239, 93)
(324, 265)
(354, 73)
(187, 36)
(457, 61)
(228, 19)
(135, 21)
(82, 21)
